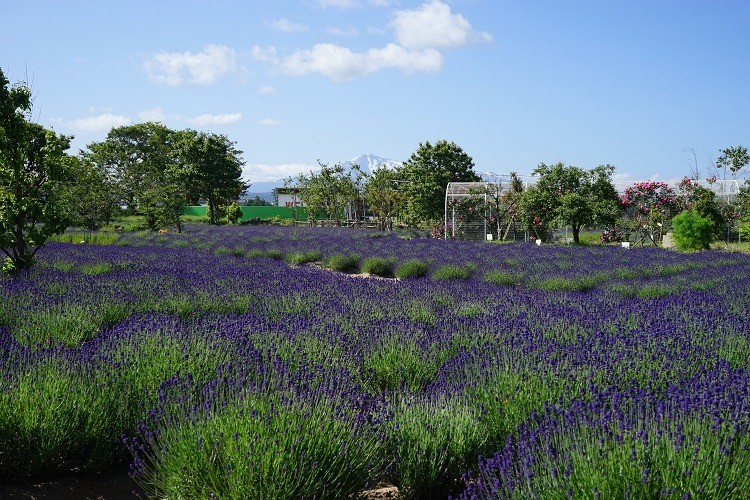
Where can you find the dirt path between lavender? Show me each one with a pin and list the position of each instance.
(117, 485)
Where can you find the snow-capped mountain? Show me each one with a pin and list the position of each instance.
(369, 162)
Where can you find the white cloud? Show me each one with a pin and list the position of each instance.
(622, 177)
(340, 63)
(258, 172)
(266, 90)
(348, 4)
(288, 26)
(98, 123)
(348, 32)
(270, 122)
(432, 26)
(340, 4)
(206, 119)
(152, 115)
(265, 54)
(202, 68)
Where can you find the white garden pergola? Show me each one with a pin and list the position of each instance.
(463, 191)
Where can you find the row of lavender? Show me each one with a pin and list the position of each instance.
(574, 371)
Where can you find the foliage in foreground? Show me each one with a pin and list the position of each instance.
(512, 363)
(378, 266)
(630, 445)
(412, 268)
(272, 442)
(33, 166)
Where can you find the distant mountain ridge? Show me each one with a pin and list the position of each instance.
(367, 163)
(370, 162)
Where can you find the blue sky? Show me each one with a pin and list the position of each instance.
(631, 83)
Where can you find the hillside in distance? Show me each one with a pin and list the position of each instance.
(366, 163)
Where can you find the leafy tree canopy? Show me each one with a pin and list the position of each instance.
(33, 164)
(139, 159)
(327, 191)
(213, 169)
(428, 172)
(577, 197)
(384, 197)
(734, 158)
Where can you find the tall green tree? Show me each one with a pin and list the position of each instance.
(427, 173)
(136, 158)
(734, 159)
(33, 165)
(328, 191)
(742, 202)
(703, 201)
(213, 168)
(89, 196)
(571, 195)
(384, 197)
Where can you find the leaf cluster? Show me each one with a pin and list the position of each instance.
(577, 197)
(427, 173)
(33, 165)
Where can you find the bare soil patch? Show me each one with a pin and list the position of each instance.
(318, 265)
(117, 485)
(379, 492)
(111, 485)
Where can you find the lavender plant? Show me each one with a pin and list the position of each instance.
(161, 341)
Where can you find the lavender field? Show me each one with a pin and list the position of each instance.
(219, 363)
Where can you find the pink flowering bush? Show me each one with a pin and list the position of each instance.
(648, 207)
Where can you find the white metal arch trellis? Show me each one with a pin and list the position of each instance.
(462, 190)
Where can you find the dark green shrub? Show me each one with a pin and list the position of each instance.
(436, 442)
(577, 284)
(451, 272)
(655, 291)
(271, 254)
(234, 213)
(299, 258)
(745, 231)
(503, 277)
(237, 252)
(691, 231)
(274, 254)
(343, 263)
(412, 268)
(626, 290)
(255, 253)
(264, 448)
(398, 366)
(379, 266)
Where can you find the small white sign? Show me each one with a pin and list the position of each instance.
(489, 237)
(625, 244)
(538, 242)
